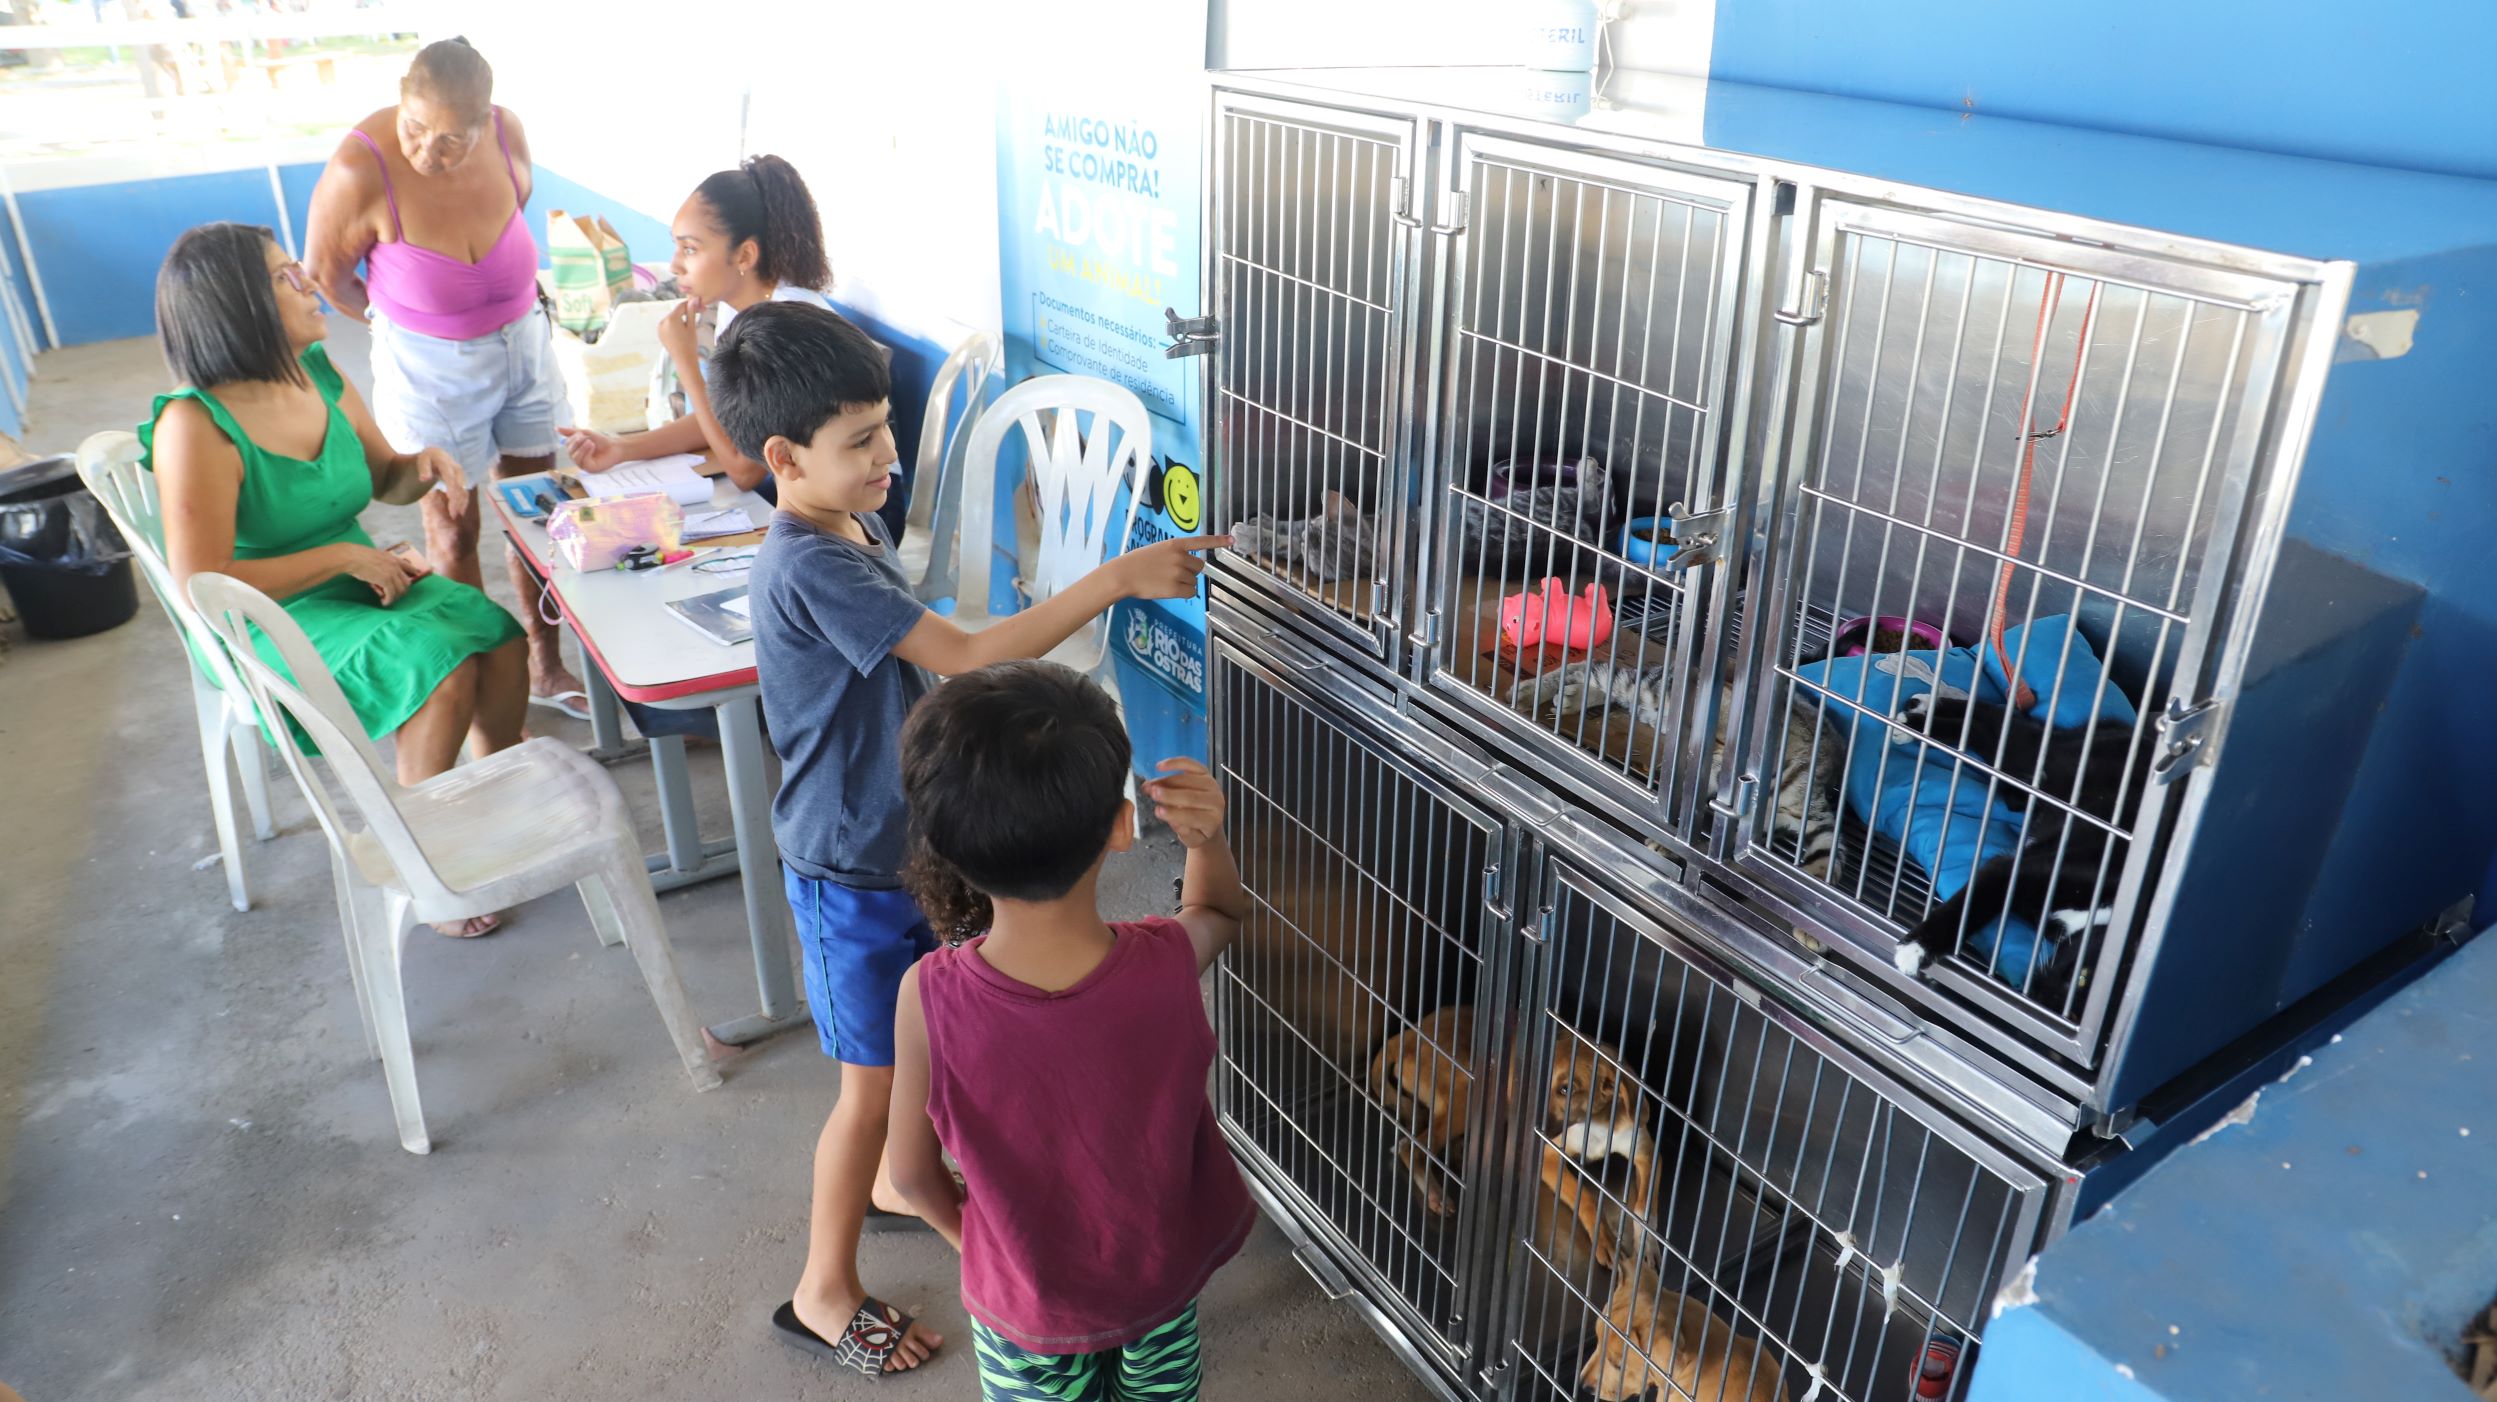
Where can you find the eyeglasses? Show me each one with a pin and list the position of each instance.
(293, 276)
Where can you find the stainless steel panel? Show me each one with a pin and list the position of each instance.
(1367, 878)
(1754, 1171)
(1309, 272)
(1996, 429)
(1590, 350)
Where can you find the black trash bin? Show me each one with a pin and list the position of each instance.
(64, 564)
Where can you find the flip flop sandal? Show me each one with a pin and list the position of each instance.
(563, 702)
(872, 1336)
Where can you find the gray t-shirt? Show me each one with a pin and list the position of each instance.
(827, 616)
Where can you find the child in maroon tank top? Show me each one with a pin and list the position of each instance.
(1060, 1058)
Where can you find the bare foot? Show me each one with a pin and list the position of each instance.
(887, 1199)
(470, 928)
(830, 1319)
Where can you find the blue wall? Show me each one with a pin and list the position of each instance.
(2389, 83)
(98, 246)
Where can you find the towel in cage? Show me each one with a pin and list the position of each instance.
(1924, 799)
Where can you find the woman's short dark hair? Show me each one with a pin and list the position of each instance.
(216, 309)
(785, 369)
(452, 72)
(1014, 774)
(764, 200)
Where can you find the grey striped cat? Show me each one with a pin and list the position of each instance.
(1808, 765)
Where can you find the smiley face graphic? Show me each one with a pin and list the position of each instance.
(1180, 498)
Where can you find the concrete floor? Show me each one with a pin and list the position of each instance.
(200, 1192)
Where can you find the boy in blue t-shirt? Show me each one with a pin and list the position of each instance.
(843, 650)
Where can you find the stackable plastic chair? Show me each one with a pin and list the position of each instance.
(1086, 438)
(109, 464)
(944, 442)
(481, 838)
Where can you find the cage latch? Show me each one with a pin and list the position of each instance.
(1698, 537)
(1815, 300)
(2184, 732)
(1190, 335)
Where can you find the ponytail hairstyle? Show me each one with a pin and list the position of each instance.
(1015, 775)
(764, 200)
(955, 910)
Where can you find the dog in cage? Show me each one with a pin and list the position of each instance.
(1810, 754)
(2054, 875)
(1665, 1342)
(1593, 1118)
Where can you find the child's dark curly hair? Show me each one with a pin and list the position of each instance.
(1014, 774)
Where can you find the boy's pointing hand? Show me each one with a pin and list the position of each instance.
(1165, 569)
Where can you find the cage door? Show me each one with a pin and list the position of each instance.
(1359, 1011)
(1309, 266)
(1720, 1200)
(2003, 534)
(1584, 462)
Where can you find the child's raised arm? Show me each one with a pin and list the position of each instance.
(1212, 903)
(1163, 570)
(910, 1144)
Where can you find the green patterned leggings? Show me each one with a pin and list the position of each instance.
(1160, 1367)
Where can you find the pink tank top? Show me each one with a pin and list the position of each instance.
(1099, 1194)
(435, 294)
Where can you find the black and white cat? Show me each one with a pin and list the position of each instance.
(2061, 890)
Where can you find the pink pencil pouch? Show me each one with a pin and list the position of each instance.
(593, 535)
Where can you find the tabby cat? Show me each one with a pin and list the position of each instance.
(1494, 541)
(1340, 542)
(1806, 822)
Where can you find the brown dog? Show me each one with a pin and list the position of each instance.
(1593, 1114)
(1657, 1336)
(1425, 1078)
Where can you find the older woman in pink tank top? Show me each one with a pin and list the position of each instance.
(430, 197)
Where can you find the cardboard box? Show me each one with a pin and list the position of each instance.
(607, 382)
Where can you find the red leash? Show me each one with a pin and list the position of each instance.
(2050, 302)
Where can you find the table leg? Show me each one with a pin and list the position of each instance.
(688, 860)
(606, 716)
(767, 909)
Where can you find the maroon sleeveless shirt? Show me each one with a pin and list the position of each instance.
(1100, 1195)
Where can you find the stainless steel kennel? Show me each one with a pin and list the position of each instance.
(1767, 708)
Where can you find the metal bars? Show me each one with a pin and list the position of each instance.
(1366, 919)
(1590, 331)
(1804, 1221)
(1307, 265)
(2006, 490)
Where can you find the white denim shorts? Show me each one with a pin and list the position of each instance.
(479, 399)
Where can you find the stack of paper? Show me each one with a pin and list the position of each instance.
(706, 525)
(673, 475)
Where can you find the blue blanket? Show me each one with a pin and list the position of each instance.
(1918, 797)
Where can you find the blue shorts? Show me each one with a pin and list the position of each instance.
(855, 944)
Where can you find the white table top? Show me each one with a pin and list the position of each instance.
(647, 653)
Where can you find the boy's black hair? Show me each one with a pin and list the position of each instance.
(785, 369)
(216, 309)
(1014, 774)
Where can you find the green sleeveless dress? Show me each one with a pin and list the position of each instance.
(387, 660)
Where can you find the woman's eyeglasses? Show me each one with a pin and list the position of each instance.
(293, 276)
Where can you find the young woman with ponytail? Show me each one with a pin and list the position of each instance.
(744, 236)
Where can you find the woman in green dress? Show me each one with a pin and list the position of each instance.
(263, 458)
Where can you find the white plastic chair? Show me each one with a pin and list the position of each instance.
(944, 441)
(1076, 472)
(109, 464)
(482, 838)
